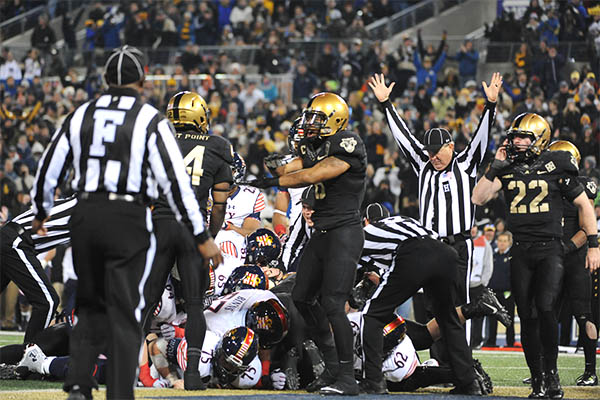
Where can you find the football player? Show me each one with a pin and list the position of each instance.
(242, 215)
(207, 158)
(534, 182)
(333, 160)
(577, 283)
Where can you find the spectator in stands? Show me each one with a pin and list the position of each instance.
(523, 58)
(251, 95)
(467, 58)
(427, 71)
(10, 68)
(552, 71)
(348, 81)
(138, 31)
(206, 28)
(587, 144)
(304, 82)
(327, 63)
(376, 144)
(429, 51)
(241, 15)
(33, 66)
(224, 9)
(549, 27)
(191, 60)
(500, 284)
(533, 8)
(97, 12)
(572, 21)
(43, 36)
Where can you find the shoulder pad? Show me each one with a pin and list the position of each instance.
(346, 143)
(562, 161)
(589, 185)
(224, 148)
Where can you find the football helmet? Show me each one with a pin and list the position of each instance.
(326, 114)
(247, 276)
(295, 135)
(238, 168)
(534, 126)
(234, 354)
(263, 248)
(393, 333)
(565, 145)
(188, 110)
(269, 320)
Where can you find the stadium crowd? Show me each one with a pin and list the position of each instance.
(433, 89)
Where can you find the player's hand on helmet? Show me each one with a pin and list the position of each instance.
(278, 379)
(592, 260)
(167, 331)
(380, 90)
(493, 89)
(501, 153)
(210, 252)
(261, 183)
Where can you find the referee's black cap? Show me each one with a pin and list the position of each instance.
(308, 197)
(375, 211)
(125, 65)
(435, 139)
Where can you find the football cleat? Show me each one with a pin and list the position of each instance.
(323, 380)
(587, 379)
(553, 388)
(341, 387)
(538, 388)
(33, 359)
(487, 304)
(8, 371)
(484, 379)
(314, 355)
(290, 368)
(471, 389)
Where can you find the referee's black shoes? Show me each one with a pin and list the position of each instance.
(345, 386)
(470, 389)
(370, 387)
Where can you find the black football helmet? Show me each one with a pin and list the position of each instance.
(247, 276)
(234, 354)
(269, 319)
(238, 168)
(263, 248)
(393, 333)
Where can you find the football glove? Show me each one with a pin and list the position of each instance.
(261, 183)
(361, 293)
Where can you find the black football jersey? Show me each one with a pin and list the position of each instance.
(338, 200)
(207, 160)
(534, 195)
(571, 213)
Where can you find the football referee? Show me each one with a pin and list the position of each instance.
(118, 147)
(446, 178)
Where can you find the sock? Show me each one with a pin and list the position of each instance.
(59, 367)
(193, 358)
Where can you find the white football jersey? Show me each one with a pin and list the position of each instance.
(229, 311)
(250, 377)
(247, 202)
(223, 272)
(166, 311)
(209, 348)
(399, 365)
(232, 244)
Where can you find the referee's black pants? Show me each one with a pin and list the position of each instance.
(429, 264)
(20, 265)
(324, 281)
(175, 243)
(536, 274)
(113, 251)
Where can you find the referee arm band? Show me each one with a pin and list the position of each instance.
(202, 237)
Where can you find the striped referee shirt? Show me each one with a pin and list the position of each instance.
(118, 144)
(444, 196)
(383, 237)
(57, 225)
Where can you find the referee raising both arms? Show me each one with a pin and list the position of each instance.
(117, 146)
(446, 178)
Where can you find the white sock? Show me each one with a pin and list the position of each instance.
(46, 365)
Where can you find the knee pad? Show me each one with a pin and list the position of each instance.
(587, 325)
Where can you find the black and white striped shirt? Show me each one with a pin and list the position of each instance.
(444, 196)
(118, 144)
(383, 237)
(57, 225)
(299, 235)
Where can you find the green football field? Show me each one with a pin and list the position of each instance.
(507, 369)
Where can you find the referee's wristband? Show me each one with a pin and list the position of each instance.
(202, 237)
(592, 241)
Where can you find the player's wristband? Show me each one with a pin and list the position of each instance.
(494, 169)
(592, 241)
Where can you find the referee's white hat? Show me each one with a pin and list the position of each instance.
(125, 65)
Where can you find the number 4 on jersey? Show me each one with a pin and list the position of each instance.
(196, 155)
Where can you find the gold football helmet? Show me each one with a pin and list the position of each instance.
(326, 114)
(188, 110)
(533, 126)
(565, 145)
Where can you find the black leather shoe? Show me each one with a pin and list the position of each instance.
(345, 387)
(470, 389)
(193, 381)
(77, 393)
(371, 387)
(538, 388)
(323, 380)
(553, 388)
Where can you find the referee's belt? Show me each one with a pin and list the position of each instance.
(130, 198)
(459, 237)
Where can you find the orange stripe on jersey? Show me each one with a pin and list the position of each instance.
(392, 325)
(259, 204)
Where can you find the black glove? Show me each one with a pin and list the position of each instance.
(262, 183)
(569, 247)
(495, 168)
(361, 293)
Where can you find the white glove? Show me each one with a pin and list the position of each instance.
(278, 379)
(161, 383)
(167, 331)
